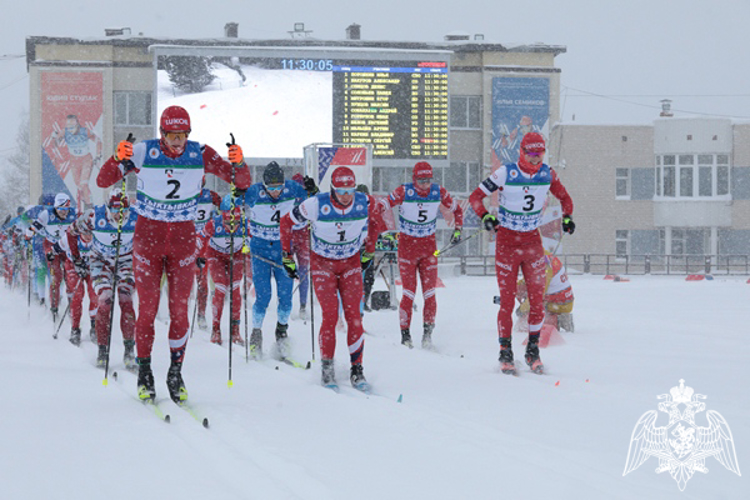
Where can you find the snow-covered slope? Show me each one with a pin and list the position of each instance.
(462, 429)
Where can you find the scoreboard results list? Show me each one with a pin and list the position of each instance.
(401, 108)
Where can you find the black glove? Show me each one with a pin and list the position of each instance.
(51, 256)
(287, 260)
(310, 186)
(239, 193)
(366, 260)
(200, 262)
(568, 225)
(455, 237)
(490, 222)
(81, 267)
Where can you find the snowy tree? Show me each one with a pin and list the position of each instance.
(189, 74)
(14, 176)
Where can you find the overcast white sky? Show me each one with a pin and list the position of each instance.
(622, 57)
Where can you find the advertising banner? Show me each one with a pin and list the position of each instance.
(72, 119)
(519, 106)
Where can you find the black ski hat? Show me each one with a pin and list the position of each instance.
(273, 174)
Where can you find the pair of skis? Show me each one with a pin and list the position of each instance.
(157, 409)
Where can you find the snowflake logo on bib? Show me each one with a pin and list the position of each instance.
(513, 174)
(325, 210)
(410, 192)
(153, 153)
(359, 207)
(101, 223)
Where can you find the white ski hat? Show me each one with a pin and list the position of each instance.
(62, 200)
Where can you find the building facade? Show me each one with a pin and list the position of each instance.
(678, 187)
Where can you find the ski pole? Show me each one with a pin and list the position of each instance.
(451, 246)
(115, 275)
(245, 251)
(231, 261)
(67, 308)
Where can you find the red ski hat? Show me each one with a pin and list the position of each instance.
(175, 119)
(422, 170)
(533, 143)
(343, 177)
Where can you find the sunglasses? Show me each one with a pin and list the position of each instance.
(275, 188)
(173, 136)
(534, 153)
(424, 181)
(342, 191)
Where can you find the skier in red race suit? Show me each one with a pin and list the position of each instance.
(339, 221)
(169, 170)
(214, 243)
(418, 203)
(523, 188)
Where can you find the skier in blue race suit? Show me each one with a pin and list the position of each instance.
(267, 202)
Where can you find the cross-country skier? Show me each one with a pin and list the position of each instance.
(558, 296)
(268, 202)
(169, 171)
(215, 247)
(523, 190)
(418, 204)
(207, 200)
(301, 251)
(51, 224)
(79, 279)
(99, 226)
(339, 221)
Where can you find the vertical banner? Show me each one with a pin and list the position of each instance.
(72, 120)
(519, 106)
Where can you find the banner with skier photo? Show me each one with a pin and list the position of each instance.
(519, 106)
(72, 119)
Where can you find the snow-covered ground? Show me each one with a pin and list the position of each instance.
(462, 430)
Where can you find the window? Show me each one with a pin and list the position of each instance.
(622, 182)
(466, 112)
(462, 177)
(692, 176)
(669, 182)
(133, 108)
(621, 242)
(678, 242)
(686, 181)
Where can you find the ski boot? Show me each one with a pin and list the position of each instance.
(235, 331)
(176, 386)
(146, 391)
(282, 341)
(532, 354)
(128, 357)
(75, 336)
(202, 324)
(41, 301)
(256, 343)
(92, 332)
(406, 338)
(216, 335)
(53, 310)
(328, 375)
(507, 366)
(427, 336)
(101, 358)
(303, 313)
(357, 378)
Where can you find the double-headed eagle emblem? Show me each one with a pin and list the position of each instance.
(681, 446)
